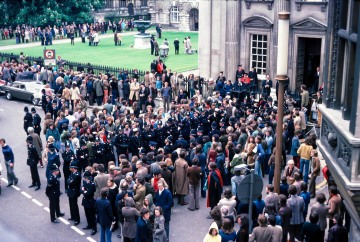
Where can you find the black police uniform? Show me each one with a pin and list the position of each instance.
(135, 144)
(109, 153)
(121, 143)
(82, 155)
(68, 157)
(99, 153)
(53, 193)
(88, 202)
(32, 161)
(73, 193)
(37, 123)
(160, 136)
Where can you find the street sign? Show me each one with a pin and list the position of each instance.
(243, 189)
(49, 57)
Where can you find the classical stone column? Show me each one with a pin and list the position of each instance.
(232, 39)
(205, 30)
(281, 76)
(216, 26)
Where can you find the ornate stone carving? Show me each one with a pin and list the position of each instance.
(322, 4)
(309, 24)
(258, 22)
(345, 153)
(331, 92)
(268, 2)
(329, 134)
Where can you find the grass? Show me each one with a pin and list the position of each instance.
(120, 56)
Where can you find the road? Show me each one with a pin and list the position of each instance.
(24, 213)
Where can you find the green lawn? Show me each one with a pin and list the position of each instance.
(121, 56)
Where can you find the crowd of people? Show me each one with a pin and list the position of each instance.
(28, 33)
(135, 157)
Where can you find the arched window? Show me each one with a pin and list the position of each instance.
(174, 14)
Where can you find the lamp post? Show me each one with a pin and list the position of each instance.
(281, 77)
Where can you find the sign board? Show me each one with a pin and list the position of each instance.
(243, 189)
(49, 57)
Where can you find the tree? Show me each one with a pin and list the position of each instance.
(48, 12)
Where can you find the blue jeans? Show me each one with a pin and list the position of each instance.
(258, 167)
(167, 228)
(271, 173)
(105, 232)
(305, 173)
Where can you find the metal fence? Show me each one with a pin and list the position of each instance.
(97, 69)
(77, 66)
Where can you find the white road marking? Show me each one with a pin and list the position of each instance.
(77, 230)
(37, 202)
(26, 195)
(16, 188)
(5, 180)
(91, 239)
(47, 209)
(64, 221)
(2, 110)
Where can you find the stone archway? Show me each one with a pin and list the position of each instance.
(194, 19)
(131, 9)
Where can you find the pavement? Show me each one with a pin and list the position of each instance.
(24, 213)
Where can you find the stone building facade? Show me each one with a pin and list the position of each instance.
(116, 9)
(245, 32)
(340, 127)
(180, 14)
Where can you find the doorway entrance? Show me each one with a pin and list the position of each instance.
(308, 59)
(194, 19)
(131, 9)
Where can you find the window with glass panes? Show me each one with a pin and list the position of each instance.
(174, 14)
(259, 52)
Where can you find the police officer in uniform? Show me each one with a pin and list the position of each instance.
(53, 193)
(194, 121)
(82, 155)
(160, 134)
(99, 152)
(121, 143)
(32, 161)
(88, 201)
(36, 121)
(109, 151)
(68, 156)
(28, 120)
(73, 192)
(135, 142)
(186, 127)
(148, 135)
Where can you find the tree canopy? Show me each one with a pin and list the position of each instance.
(47, 12)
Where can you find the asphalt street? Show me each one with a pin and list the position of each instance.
(24, 214)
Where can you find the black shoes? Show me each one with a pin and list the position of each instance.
(76, 223)
(61, 215)
(32, 185)
(93, 232)
(86, 228)
(70, 219)
(9, 185)
(16, 182)
(38, 188)
(55, 221)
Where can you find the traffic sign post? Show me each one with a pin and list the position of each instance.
(49, 57)
(249, 189)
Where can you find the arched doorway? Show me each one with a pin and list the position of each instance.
(131, 9)
(194, 19)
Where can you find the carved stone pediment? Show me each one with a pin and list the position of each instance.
(309, 24)
(258, 22)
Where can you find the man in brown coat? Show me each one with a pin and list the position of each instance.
(194, 175)
(180, 178)
(315, 172)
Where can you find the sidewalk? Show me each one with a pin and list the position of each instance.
(65, 41)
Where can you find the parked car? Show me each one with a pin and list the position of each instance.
(27, 91)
